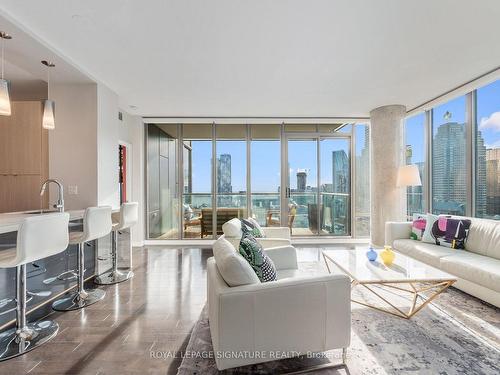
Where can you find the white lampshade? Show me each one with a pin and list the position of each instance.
(4, 98)
(408, 175)
(48, 121)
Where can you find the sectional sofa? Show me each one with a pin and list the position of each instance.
(477, 268)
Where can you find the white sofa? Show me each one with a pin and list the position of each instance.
(477, 268)
(275, 236)
(296, 314)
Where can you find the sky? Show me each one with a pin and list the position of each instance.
(265, 162)
(488, 114)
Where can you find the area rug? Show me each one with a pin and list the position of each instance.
(458, 334)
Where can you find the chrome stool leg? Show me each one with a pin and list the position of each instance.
(25, 336)
(114, 276)
(81, 297)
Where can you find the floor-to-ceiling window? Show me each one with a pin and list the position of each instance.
(449, 172)
(464, 159)
(265, 174)
(415, 154)
(231, 173)
(295, 175)
(197, 185)
(487, 151)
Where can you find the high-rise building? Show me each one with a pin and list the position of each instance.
(224, 174)
(449, 181)
(340, 171)
(449, 188)
(493, 182)
(480, 168)
(301, 180)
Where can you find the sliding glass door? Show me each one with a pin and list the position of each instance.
(302, 187)
(197, 193)
(318, 185)
(231, 174)
(298, 176)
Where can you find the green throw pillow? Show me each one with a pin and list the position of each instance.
(255, 255)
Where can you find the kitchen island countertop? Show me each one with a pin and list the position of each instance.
(10, 221)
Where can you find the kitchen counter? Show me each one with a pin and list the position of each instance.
(10, 221)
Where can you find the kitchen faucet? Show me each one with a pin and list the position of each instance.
(60, 200)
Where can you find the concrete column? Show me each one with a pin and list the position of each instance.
(387, 155)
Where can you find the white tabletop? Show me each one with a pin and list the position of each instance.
(404, 268)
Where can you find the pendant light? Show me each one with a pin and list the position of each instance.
(4, 85)
(48, 121)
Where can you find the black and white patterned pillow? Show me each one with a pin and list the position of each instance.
(255, 255)
(251, 227)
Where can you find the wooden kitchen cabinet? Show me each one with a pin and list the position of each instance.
(22, 138)
(5, 193)
(23, 157)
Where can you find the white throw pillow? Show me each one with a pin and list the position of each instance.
(427, 236)
(232, 228)
(234, 269)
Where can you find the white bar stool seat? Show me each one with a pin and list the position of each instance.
(96, 224)
(129, 215)
(38, 237)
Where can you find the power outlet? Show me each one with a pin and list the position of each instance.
(72, 189)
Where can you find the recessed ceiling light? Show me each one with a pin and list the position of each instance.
(132, 106)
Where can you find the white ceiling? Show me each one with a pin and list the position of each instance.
(269, 58)
(24, 53)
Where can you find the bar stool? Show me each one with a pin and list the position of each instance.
(38, 237)
(96, 224)
(129, 214)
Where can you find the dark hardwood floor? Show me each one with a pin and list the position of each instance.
(153, 312)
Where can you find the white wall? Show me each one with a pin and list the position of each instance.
(131, 131)
(110, 131)
(83, 149)
(107, 147)
(73, 143)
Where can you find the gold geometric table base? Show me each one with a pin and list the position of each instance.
(440, 286)
(415, 291)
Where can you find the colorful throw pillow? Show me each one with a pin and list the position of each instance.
(418, 226)
(447, 231)
(451, 231)
(250, 226)
(255, 255)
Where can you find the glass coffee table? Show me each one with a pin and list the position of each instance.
(405, 274)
